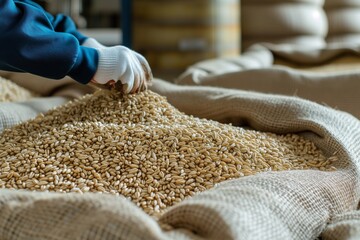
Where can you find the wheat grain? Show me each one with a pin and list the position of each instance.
(141, 147)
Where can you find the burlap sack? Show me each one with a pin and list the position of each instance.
(273, 205)
(299, 22)
(287, 70)
(345, 226)
(12, 113)
(53, 92)
(343, 16)
(65, 87)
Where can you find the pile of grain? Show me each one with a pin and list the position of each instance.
(11, 92)
(141, 147)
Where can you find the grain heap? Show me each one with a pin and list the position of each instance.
(11, 92)
(141, 147)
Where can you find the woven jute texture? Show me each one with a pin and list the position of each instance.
(328, 75)
(273, 205)
(343, 226)
(24, 96)
(12, 113)
(11, 92)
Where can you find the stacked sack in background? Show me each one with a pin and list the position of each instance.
(343, 18)
(312, 23)
(302, 22)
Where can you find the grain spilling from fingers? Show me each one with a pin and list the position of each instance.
(11, 92)
(141, 147)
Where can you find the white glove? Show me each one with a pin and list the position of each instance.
(119, 63)
(92, 43)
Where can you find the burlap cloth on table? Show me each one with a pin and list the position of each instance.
(274, 205)
(328, 75)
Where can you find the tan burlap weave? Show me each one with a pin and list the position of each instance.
(328, 75)
(50, 93)
(344, 226)
(273, 205)
(15, 112)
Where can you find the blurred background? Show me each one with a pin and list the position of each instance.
(171, 34)
(98, 18)
(174, 34)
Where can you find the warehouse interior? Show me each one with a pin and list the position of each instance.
(239, 119)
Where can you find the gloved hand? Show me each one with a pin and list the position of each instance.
(92, 43)
(120, 63)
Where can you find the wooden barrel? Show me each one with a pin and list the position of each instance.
(174, 34)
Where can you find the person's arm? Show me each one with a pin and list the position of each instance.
(36, 42)
(33, 41)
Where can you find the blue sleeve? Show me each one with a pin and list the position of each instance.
(32, 40)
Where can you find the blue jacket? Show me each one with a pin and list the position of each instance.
(34, 41)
